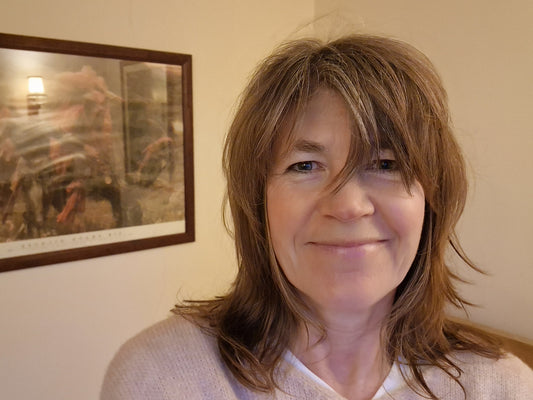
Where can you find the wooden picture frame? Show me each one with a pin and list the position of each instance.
(96, 158)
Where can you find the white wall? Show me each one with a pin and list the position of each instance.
(484, 52)
(62, 323)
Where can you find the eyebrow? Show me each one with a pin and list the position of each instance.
(306, 146)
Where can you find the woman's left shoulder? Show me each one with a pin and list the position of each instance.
(507, 377)
(506, 363)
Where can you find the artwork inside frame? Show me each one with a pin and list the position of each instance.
(96, 152)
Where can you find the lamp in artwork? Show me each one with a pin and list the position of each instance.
(36, 94)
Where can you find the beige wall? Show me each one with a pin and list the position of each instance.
(62, 323)
(484, 52)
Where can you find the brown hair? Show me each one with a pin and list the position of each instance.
(396, 100)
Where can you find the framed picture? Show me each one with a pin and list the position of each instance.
(96, 150)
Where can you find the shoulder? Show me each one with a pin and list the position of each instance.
(171, 340)
(164, 358)
(173, 333)
(176, 359)
(508, 366)
(504, 378)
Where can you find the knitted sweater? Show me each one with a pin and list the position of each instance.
(175, 360)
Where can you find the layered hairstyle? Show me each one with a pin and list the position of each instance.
(396, 101)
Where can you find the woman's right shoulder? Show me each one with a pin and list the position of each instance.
(171, 334)
(174, 349)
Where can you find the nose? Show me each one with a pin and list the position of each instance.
(349, 202)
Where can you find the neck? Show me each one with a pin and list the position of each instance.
(350, 358)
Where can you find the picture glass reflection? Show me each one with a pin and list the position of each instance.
(95, 155)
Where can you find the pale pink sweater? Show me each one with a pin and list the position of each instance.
(175, 360)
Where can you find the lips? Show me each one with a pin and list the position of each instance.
(346, 243)
(350, 249)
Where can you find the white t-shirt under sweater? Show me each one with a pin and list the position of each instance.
(392, 382)
(175, 360)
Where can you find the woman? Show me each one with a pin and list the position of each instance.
(345, 184)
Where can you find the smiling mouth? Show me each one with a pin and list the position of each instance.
(347, 244)
(353, 248)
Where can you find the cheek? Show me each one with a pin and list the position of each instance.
(279, 238)
(403, 215)
(418, 210)
(278, 215)
(286, 220)
(409, 218)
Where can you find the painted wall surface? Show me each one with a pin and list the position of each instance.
(484, 53)
(61, 324)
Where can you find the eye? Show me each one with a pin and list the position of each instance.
(387, 165)
(384, 165)
(303, 166)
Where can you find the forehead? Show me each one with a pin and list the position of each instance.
(322, 122)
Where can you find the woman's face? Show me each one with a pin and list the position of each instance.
(346, 251)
